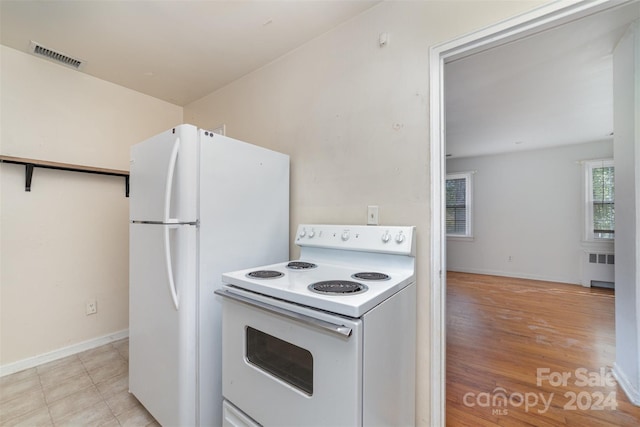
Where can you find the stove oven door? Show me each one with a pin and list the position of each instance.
(289, 365)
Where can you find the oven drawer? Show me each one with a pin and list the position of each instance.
(288, 365)
(233, 417)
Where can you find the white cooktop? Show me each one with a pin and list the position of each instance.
(339, 252)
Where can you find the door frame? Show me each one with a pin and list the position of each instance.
(537, 20)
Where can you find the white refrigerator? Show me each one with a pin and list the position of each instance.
(200, 204)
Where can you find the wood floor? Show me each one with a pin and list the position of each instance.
(531, 353)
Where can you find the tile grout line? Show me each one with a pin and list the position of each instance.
(103, 381)
(100, 392)
(102, 396)
(44, 398)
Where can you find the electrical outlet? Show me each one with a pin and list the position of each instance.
(372, 215)
(92, 307)
(510, 259)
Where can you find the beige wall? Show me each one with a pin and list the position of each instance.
(354, 117)
(66, 241)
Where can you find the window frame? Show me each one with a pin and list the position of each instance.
(589, 166)
(467, 176)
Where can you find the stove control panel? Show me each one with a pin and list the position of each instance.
(398, 240)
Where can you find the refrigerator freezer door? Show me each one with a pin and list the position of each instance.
(164, 177)
(162, 344)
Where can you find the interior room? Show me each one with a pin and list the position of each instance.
(526, 157)
(342, 87)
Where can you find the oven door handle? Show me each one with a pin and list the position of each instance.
(328, 326)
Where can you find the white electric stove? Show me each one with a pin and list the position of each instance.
(325, 340)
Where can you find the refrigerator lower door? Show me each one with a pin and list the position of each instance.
(244, 222)
(162, 338)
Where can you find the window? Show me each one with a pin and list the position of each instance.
(458, 204)
(600, 199)
(290, 363)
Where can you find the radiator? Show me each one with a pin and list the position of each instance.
(598, 268)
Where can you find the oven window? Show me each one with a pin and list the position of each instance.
(290, 363)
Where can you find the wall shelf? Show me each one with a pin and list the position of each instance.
(30, 164)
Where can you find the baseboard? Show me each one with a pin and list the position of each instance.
(514, 275)
(632, 393)
(31, 362)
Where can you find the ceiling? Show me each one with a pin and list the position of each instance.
(178, 51)
(553, 88)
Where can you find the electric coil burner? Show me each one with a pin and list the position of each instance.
(265, 274)
(370, 275)
(337, 287)
(380, 261)
(301, 265)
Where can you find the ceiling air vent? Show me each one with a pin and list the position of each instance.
(58, 57)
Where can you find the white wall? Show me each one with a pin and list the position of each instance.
(354, 118)
(527, 205)
(626, 74)
(66, 241)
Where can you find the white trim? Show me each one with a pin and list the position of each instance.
(454, 238)
(602, 246)
(632, 393)
(437, 334)
(31, 362)
(537, 20)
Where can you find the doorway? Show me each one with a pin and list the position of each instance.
(534, 22)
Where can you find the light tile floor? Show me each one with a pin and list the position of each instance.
(86, 389)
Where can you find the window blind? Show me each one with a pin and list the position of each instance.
(603, 202)
(456, 206)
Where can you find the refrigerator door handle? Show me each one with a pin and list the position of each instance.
(168, 187)
(169, 266)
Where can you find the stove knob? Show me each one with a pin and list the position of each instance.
(386, 237)
(303, 233)
(345, 236)
(400, 238)
(312, 233)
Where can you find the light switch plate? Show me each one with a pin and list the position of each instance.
(372, 215)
